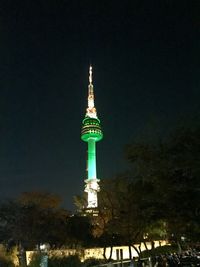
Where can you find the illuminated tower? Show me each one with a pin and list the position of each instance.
(91, 133)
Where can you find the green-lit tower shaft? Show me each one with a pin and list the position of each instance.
(91, 133)
(92, 158)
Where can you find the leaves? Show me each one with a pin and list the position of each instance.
(33, 219)
(171, 171)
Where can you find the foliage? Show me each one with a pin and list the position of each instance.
(70, 261)
(92, 262)
(6, 259)
(170, 169)
(33, 219)
(35, 260)
(124, 215)
(80, 202)
(42, 199)
(55, 261)
(5, 262)
(36, 218)
(162, 250)
(79, 231)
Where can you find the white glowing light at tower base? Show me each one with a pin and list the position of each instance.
(92, 187)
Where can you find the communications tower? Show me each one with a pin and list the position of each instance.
(91, 133)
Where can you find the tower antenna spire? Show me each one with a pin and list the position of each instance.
(90, 75)
(91, 110)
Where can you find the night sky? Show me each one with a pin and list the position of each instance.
(145, 57)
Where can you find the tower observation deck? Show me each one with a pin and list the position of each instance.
(91, 133)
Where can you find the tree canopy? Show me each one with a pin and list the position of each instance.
(158, 197)
(33, 219)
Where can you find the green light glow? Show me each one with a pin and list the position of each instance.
(92, 159)
(91, 128)
(91, 133)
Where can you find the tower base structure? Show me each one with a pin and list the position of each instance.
(91, 188)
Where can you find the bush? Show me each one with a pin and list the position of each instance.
(55, 261)
(5, 258)
(35, 260)
(92, 262)
(70, 261)
(6, 262)
(159, 250)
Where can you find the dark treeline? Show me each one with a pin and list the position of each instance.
(158, 198)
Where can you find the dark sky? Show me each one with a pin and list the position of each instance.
(145, 57)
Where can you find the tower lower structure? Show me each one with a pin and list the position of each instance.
(91, 133)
